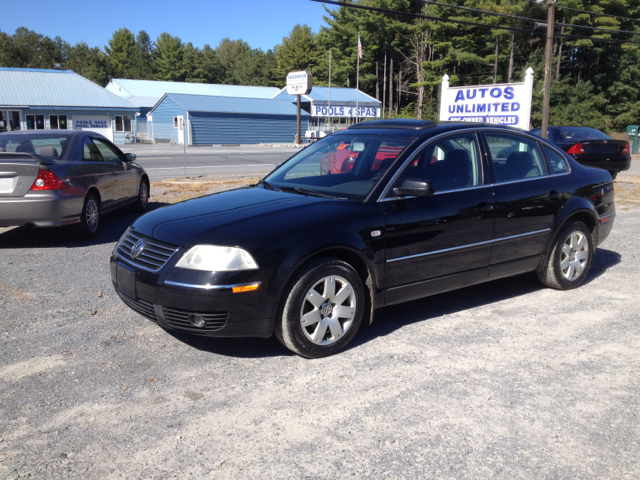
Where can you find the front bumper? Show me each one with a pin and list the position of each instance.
(42, 209)
(177, 299)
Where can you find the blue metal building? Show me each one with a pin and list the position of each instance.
(41, 99)
(212, 120)
(144, 94)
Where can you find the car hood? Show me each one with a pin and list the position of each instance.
(234, 217)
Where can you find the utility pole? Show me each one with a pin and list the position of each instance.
(547, 68)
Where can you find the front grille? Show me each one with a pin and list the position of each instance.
(154, 255)
(142, 307)
(180, 319)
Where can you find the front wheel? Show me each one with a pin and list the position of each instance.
(570, 258)
(323, 309)
(142, 201)
(90, 217)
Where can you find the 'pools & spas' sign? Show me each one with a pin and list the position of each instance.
(344, 111)
(504, 104)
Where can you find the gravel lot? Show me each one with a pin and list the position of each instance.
(506, 380)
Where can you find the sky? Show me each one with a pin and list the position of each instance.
(260, 23)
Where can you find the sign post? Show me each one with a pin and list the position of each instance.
(299, 83)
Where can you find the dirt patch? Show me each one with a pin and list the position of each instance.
(627, 191)
(176, 190)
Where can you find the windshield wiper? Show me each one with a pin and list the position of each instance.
(304, 191)
(266, 184)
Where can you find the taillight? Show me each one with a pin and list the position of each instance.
(576, 149)
(47, 180)
(626, 150)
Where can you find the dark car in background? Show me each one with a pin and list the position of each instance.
(309, 254)
(62, 177)
(591, 147)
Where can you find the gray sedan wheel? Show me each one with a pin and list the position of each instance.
(90, 217)
(142, 202)
(323, 309)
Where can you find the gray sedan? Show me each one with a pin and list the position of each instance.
(61, 177)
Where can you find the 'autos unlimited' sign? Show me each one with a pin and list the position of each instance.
(505, 104)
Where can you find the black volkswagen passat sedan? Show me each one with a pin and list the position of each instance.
(591, 147)
(309, 254)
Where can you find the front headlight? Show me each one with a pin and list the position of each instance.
(211, 258)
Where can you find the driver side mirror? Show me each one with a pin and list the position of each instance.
(412, 187)
(129, 157)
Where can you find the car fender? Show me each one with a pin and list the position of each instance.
(575, 208)
(310, 245)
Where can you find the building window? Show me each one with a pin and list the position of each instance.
(175, 122)
(123, 123)
(58, 122)
(35, 122)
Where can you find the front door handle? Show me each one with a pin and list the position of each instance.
(484, 207)
(554, 195)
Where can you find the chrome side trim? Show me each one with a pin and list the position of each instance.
(191, 286)
(471, 245)
(522, 235)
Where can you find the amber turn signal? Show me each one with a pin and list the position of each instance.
(246, 288)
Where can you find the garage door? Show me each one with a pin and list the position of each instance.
(94, 123)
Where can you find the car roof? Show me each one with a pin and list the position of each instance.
(45, 133)
(417, 128)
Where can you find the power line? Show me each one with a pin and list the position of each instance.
(524, 19)
(486, 12)
(588, 11)
(461, 22)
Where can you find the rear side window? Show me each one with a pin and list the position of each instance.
(557, 161)
(514, 157)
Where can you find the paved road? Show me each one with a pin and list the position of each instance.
(167, 161)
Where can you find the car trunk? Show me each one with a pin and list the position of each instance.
(603, 147)
(17, 174)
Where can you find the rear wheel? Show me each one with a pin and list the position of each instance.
(323, 309)
(90, 217)
(570, 259)
(614, 174)
(142, 202)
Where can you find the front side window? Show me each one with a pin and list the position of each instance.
(90, 152)
(514, 157)
(345, 166)
(123, 123)
(452, 163)
(108, 152)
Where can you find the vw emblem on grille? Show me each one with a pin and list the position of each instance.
(137, 249)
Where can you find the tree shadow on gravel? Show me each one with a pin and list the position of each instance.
(392, 318)
(112, 227)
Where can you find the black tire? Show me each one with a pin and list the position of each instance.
(614, 174)
(90, 217)
(142, 201)
(331, 330)
(570, 259)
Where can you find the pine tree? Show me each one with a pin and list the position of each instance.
(122, 52)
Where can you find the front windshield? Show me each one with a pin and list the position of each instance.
(342, 166)
(48, 146)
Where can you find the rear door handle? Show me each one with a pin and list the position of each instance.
(554, 195)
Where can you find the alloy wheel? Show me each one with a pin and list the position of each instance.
(575, 255)
(328, 310)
